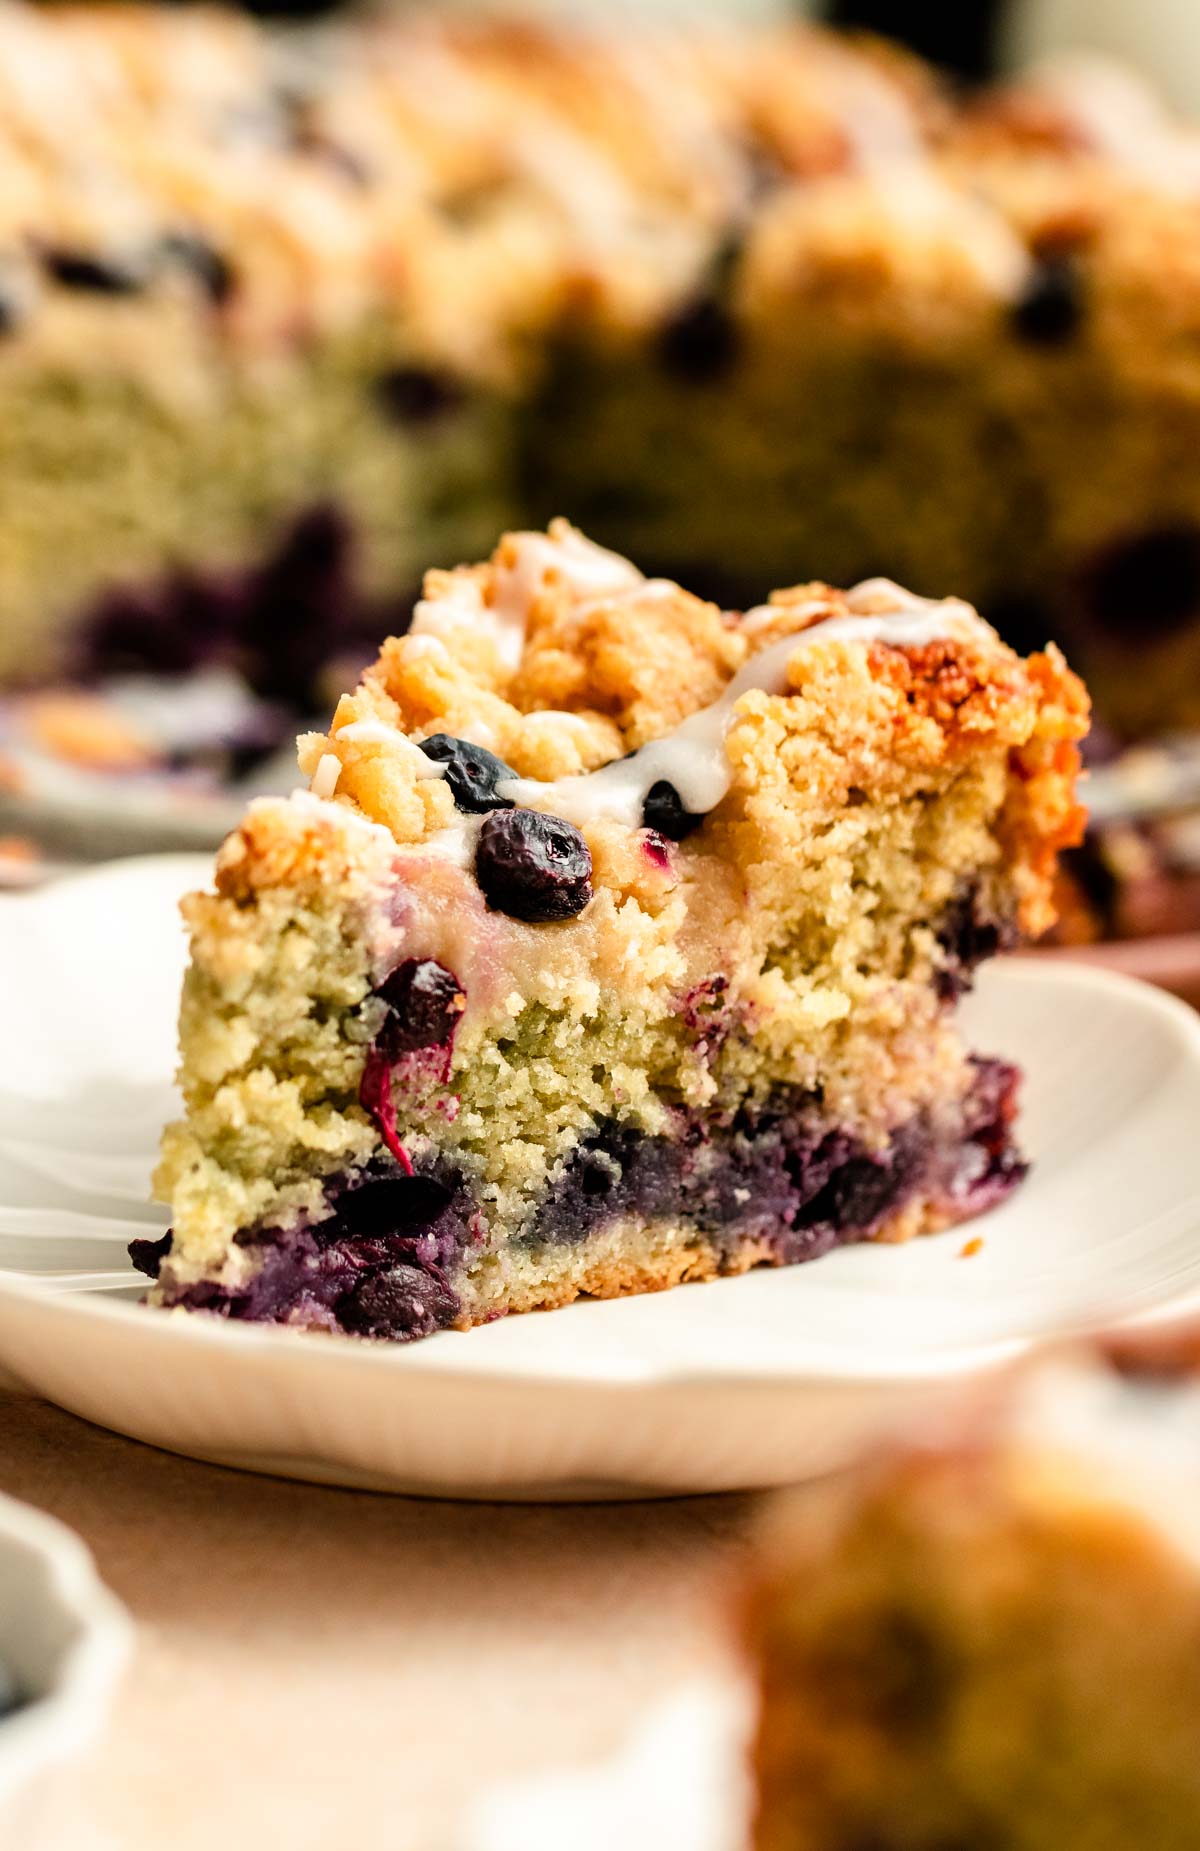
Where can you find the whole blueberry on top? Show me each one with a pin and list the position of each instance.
(663, 810)
(424, 1002)
(1051, 310)
(533, 867)
(471, 772)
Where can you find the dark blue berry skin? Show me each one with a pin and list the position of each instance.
(1051, 311)
(533, 867)
(418, 395)
(1145, 586)
(701, 344)
(424, 1002)
(663, 810)
(87, 270)
(148, 1255)
(471, 773)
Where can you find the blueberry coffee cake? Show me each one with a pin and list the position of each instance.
(615, 942)
(282, 311)
(989, 1637)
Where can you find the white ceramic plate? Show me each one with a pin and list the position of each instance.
(743, 1383)
(65, 1640)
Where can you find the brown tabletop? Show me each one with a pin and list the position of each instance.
(333, 1669)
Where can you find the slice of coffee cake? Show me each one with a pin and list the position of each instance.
(616, 943)
(988, 1634)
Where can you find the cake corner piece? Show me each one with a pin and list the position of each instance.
(616, 942)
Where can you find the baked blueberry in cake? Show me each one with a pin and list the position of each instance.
(988, 1635)
(616, 942)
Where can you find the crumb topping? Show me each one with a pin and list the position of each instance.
(472, 183)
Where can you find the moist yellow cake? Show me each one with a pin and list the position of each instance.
(989, 1636)
(616, 942)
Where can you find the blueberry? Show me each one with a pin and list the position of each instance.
(664, 811)
(404, 1301)
(424, 1002)
(699, 345)
(1145, 587)
(418, 394)
(471, 773)
(533, 867)
(1051, 310)
(968, 935)
(100, 275)
(148, 1255)
(211, 270)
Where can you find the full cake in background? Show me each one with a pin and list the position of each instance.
(616, 943)
(285, 314)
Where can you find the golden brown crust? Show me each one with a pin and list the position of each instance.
(581, 168)
(630, 1259)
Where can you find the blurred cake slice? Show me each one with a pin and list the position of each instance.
(615, 944)
(991, 1639)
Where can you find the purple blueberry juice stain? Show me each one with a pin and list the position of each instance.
(707, 1016)
(375, 1098)
(423, 1002)
(384, 1260)
(380, 1263)
(657, 850)
(781, 1174)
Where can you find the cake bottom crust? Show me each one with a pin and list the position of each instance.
(399, 1256)
(633, 1258)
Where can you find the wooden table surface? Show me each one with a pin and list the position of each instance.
(336, 1670)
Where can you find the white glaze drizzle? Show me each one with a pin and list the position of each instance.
(693, 758)
(457, 842)
(379, 733)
